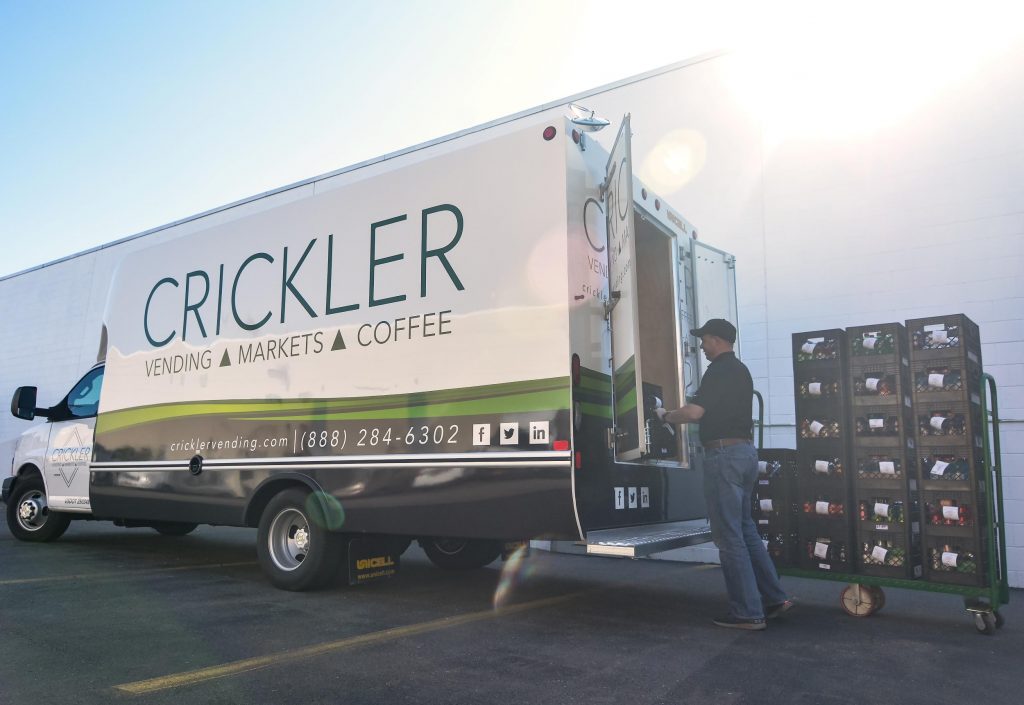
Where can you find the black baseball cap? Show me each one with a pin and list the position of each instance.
(717, 327)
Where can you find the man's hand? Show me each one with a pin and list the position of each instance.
(661, 413)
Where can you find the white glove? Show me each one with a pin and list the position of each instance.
(661, 413)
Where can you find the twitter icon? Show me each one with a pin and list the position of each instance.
(509, 434)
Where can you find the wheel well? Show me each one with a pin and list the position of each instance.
(27, 470)
(266, 492)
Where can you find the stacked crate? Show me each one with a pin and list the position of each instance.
(824, 508)
(774, 509)
(885, 497)
(946, 376)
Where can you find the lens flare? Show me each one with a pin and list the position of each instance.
(674, 161)
(514, 572)
(325, 511)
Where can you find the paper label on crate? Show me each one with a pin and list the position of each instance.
(871, 383)
(881, 509)
(949, 559)
(951, 513)
(820, 550)
(876, 423)
(939, 469)
(762, 522)
(764, 483)
(821, 465)
(937, 421)
(936, 381)
(869, 343)
(878, 554)
(975, 399)
(766, 505)
(940, 337)
(808, 347)
(881, 527)
(821, 507)
(815, 428)
(972, 356)
(814, 389)
(887, 467)
(762, 467)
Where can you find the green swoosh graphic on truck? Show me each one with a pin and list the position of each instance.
(525, 396)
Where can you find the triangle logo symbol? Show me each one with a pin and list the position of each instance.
(225, 361)
(339, 342)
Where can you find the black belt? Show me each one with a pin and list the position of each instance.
(719, 443)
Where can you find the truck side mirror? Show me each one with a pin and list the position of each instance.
(23, 404)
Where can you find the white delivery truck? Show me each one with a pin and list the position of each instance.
(463, 349)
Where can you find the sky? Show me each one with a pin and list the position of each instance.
(120, 116)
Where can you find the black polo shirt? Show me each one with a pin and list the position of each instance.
(727, 394)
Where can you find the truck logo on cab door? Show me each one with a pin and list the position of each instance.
(69, 458)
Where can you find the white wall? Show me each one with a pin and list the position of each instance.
(916, 216)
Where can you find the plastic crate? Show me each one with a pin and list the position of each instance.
(879, 384)
(951, 380)
(883, 425)
(953, 513)
(949, 468)
(885, 510)
(943, 338)
(875, 465)
(812, 348)
(954, 560)
(825, 546)
(890, 554)
(781, 545)
(948, 424)
(880, 343)
(829, 464)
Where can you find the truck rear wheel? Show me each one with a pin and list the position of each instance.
(28, 516)
(295, 549)
(460, 554)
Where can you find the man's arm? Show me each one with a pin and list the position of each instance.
(691, 413)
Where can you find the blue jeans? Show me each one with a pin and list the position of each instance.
(751, 581)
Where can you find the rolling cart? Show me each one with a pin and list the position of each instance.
(864, 595)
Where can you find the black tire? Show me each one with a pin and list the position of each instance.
(460, 554)
(28, 517)
(174, 528)
(295, 549)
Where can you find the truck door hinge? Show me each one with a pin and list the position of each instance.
(613, 300)
(610, 438)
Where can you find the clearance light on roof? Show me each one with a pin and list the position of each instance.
(549, 133)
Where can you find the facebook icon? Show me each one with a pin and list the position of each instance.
(481, 434)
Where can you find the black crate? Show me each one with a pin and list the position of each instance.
(878, 344)
(950, 380)
(829, 464)
(883, 425)
(954, 560)
(819, 349)
(949, 468)
(888, 554)
(880, 509)
(954, 423)
(953, 513)
(883, 467)
(781, 545)
(882, 384)
(944, 338)
(825, 545)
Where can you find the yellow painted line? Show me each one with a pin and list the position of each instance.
(121, 574)
(178, 680)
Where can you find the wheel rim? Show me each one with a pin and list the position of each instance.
(289, 539)
(858, 600)
(32, 511)
(450, 547)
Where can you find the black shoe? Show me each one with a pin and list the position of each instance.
(753, 625)
(773, 611)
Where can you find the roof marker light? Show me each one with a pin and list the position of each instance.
(550, 132)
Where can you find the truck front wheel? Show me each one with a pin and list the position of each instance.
(295, 549)
(460, 554)
(28, 516)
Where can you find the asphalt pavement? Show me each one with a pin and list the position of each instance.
(125, 615)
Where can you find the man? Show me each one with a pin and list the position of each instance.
(722, 407)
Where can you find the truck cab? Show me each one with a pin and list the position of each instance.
(49, 482)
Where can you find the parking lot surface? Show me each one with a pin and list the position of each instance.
(125, 615)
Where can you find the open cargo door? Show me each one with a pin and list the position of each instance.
(630, 442)
(714, 273)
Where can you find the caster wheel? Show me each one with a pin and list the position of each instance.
(859, 600)
(985, 623)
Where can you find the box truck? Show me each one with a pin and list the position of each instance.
(464, 348)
